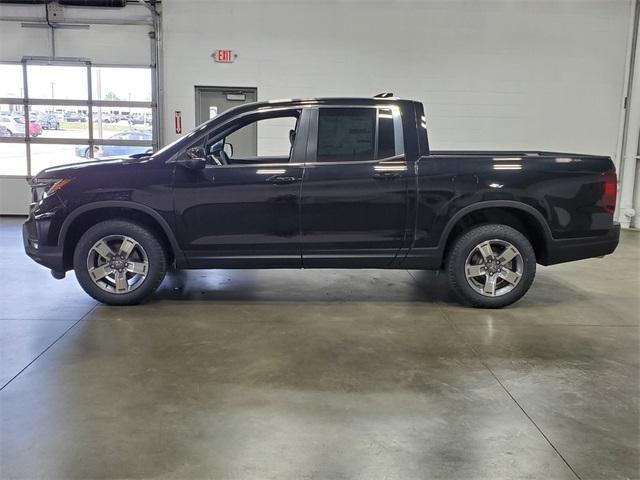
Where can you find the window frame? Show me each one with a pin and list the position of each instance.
(219, 131)
(398, 131)
(26, 101)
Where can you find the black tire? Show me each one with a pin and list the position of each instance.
(87, 153)
(156, 256)
(463, 247)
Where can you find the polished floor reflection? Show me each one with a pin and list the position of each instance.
(320, 374)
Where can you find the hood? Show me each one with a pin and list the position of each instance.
(71, 170)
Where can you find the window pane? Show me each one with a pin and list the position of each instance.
(58, 122)
(124, 84)
(45, 156)
(103, 151)
(14, 159)
(11, 81)
(57, 82)
(108, 121)
(274, 136)
(386, 138)
(261, 141)
(346, 134)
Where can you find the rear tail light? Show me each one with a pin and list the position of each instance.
(609, 190)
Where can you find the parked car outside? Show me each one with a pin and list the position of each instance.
(48, 121)
(137, 120)
(35, 129)
(4, 131)
(117, 150)
(358, 187)
(15, 128)
(75, 117)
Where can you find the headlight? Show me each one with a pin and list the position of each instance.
(43, 188)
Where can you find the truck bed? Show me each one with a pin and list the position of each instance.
(507, 153)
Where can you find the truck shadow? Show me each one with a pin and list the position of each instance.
(336, 286)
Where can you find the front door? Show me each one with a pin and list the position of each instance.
(243, 210)
(354, 196)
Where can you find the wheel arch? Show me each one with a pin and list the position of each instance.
(524, 218)
(86, 216)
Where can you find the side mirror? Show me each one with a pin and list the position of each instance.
(228, 149)
(222, 146)
(196, 158)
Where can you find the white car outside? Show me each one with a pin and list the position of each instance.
(15, 129)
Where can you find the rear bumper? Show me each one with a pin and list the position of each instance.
(48, 256)
(568, 250)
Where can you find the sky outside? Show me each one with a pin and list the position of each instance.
(68, 83)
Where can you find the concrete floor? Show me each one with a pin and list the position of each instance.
(320, 374)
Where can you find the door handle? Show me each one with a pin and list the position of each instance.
(281, 180)
(386, 175)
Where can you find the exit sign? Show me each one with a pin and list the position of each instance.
(224, 56)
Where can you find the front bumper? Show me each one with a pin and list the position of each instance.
(48, 256)
(568, 250)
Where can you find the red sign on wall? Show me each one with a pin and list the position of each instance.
(178, 121)
(224, 56)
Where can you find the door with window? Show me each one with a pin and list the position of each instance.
(354, 196)
(243, 208)
(212, 101)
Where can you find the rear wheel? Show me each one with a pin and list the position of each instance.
(491, 266)
(119, 262)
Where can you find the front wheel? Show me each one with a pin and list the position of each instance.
(118, 262)
(491, 266)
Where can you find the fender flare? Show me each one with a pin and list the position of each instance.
(66, 224)
(446, 232)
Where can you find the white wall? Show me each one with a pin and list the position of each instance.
(122, 44)
(493, 74)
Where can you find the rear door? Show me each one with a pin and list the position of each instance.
(354, 195)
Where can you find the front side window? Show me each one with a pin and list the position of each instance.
(358, 134)
(256, 140)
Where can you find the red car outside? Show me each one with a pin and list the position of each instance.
(35, 128)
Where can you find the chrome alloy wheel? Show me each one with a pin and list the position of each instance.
(494, 268)
(117, 264)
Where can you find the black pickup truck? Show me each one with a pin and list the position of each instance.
(355, 187)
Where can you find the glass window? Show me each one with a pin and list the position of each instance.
(386, 135)
(70, 123)
(121, 84)
(275, 137)
(102, 151)
(45, 156)
(57, 82)
(346, 134)
(55, 121)
(268, 140)
(11, 85)
(108, 121)
(358, 134)
(14, 158)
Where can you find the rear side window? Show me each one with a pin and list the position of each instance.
(346, 134)
(358, 134)
(386, 134)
